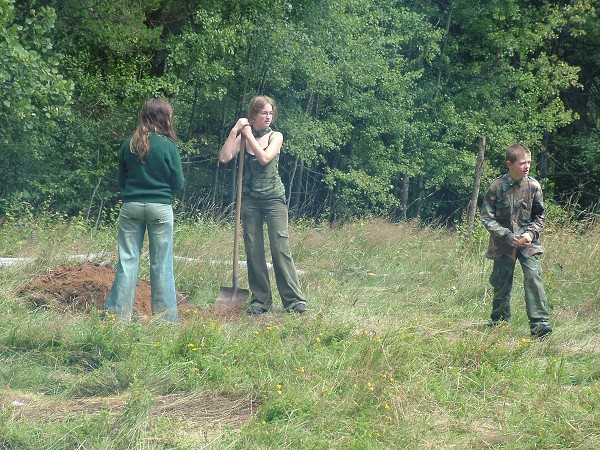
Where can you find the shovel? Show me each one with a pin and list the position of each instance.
(234, 297)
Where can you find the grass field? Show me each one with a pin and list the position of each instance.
(393, 353)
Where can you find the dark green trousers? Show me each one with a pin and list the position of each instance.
(536, 302)
(273, 212)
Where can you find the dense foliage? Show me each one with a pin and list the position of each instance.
(381, 101)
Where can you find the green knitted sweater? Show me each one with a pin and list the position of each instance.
(155, 180)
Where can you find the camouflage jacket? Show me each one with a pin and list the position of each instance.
(512, 207)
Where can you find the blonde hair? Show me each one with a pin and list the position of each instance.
(515, 151)
(155, 115)
(258, 103)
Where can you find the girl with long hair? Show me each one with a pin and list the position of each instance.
(149, 173)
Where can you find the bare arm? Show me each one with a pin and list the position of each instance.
(231, 147)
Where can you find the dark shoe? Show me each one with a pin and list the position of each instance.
(299, 308)
(496, 323)
(255, 309)
(541, 331)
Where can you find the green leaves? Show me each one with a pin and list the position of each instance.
(386, 97)
(31, 84)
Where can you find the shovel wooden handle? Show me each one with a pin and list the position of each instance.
(238, 212)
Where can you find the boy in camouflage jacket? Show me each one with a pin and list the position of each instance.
(513, 213)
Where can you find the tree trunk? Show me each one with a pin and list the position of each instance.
(188, 168)
(311, 192)
(296, 188)
(216, 188)
(419, 201)
(213, 206)
(542, 162)
(292, 181)
(476, 183)
(405, 189)
(438, 80)
(296, 182)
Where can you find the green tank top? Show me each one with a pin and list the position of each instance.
(262, 181)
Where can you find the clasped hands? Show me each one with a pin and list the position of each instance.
(241, 126)
(522, 240)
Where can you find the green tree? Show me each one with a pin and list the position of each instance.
(381, 102)
(35, 95)
(497, 77)
(574, 151)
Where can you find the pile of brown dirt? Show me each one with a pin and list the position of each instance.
(78, 288)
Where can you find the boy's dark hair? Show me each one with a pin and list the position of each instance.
(514, 151)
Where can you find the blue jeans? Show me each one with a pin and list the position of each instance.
(134, 218)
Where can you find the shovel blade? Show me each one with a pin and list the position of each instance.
(231, 298)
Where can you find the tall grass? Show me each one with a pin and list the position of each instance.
(392, 354)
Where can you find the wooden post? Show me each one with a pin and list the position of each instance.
(476, 183)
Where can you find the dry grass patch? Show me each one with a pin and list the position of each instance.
(203, 413)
